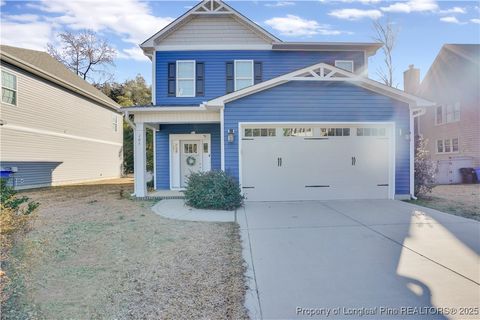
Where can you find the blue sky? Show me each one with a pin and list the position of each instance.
(424, 25)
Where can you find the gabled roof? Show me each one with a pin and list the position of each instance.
(45, 66)
(207, 7)
(320, 72)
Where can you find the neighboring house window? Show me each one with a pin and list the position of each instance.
(447, 145)
(447, 113)
(346, 65)
(185, 78)
(115, 123)
(9, 88)
(243, 74)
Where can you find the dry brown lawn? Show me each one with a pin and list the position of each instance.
(462, 200)
(94, 255)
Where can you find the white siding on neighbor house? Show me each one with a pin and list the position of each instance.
(212, 30)
(50, 124)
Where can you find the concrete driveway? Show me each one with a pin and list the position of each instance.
(359, 259)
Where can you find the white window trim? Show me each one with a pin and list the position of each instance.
(349, 61)
(235, 78)
(444, 114)
(177, 78)
(451, 146)
(16, 88)
(115, 123)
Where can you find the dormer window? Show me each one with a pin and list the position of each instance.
(186, 78)
(346, 65)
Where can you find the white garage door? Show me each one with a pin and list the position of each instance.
(315, 162)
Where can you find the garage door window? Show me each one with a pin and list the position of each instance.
(297, 132)
(371, 132)
(335, 132)
(259, 132)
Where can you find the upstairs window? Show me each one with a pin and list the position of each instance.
(243, 74)
(346, 65)
(447, 113)
(114, 123)
(186, 78)
(9, 88)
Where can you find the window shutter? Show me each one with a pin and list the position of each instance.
(230, 77)
(172, 70)
(257, 72)
(200, 80)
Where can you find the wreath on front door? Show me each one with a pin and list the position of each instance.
(191, 161)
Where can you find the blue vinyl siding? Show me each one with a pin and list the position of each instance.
(274, 63)
(320, 101)
(162, 147)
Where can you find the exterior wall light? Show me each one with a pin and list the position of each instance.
(231, 135)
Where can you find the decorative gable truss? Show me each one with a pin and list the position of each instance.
(321, 72)
(211, 7)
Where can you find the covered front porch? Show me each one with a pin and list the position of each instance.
(185, 140)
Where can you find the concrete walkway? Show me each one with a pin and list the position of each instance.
(359, 260)
(176, 209)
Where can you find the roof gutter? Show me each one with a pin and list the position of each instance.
(47, 76)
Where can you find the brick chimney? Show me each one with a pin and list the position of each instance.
(411, 79)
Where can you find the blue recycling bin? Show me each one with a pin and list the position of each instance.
(477, 171)
(8, 175)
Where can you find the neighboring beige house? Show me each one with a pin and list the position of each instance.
(453, 126)
(55, 128)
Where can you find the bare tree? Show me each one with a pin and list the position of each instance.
(83, 53)
(386, 33)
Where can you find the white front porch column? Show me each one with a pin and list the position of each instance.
(139, 160)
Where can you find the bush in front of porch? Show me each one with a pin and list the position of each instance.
(213, 190)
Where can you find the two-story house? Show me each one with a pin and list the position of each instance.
(55, 128)
(452, 128)
(289, 120)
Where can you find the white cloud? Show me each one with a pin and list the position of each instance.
(477, 21)
(33, 35)
(292, 25)
(134, 53)
(450, 19)
(131, 19)
(355, 14)
(280, 4)
(412, 6)
(453, 10)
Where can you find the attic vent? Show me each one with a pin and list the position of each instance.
(212, 6)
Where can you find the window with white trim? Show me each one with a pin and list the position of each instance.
(447, 145)
(447, 113)
(114, 123)
(346, 65)
(185, 78)
(9, 88)
(243, 74)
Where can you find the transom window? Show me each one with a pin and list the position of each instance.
(243, 74)
(371, 132)
(297, 132)
(190, 148)
(186, 78)
(334, 132)
(447, 145)
(346, 65)
(9, 88)
(447, 113)
(260, 132)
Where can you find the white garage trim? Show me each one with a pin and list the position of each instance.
(389, 124)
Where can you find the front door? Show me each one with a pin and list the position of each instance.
(190, 159)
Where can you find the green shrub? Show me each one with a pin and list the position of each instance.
(424, 169)
(213, 190)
